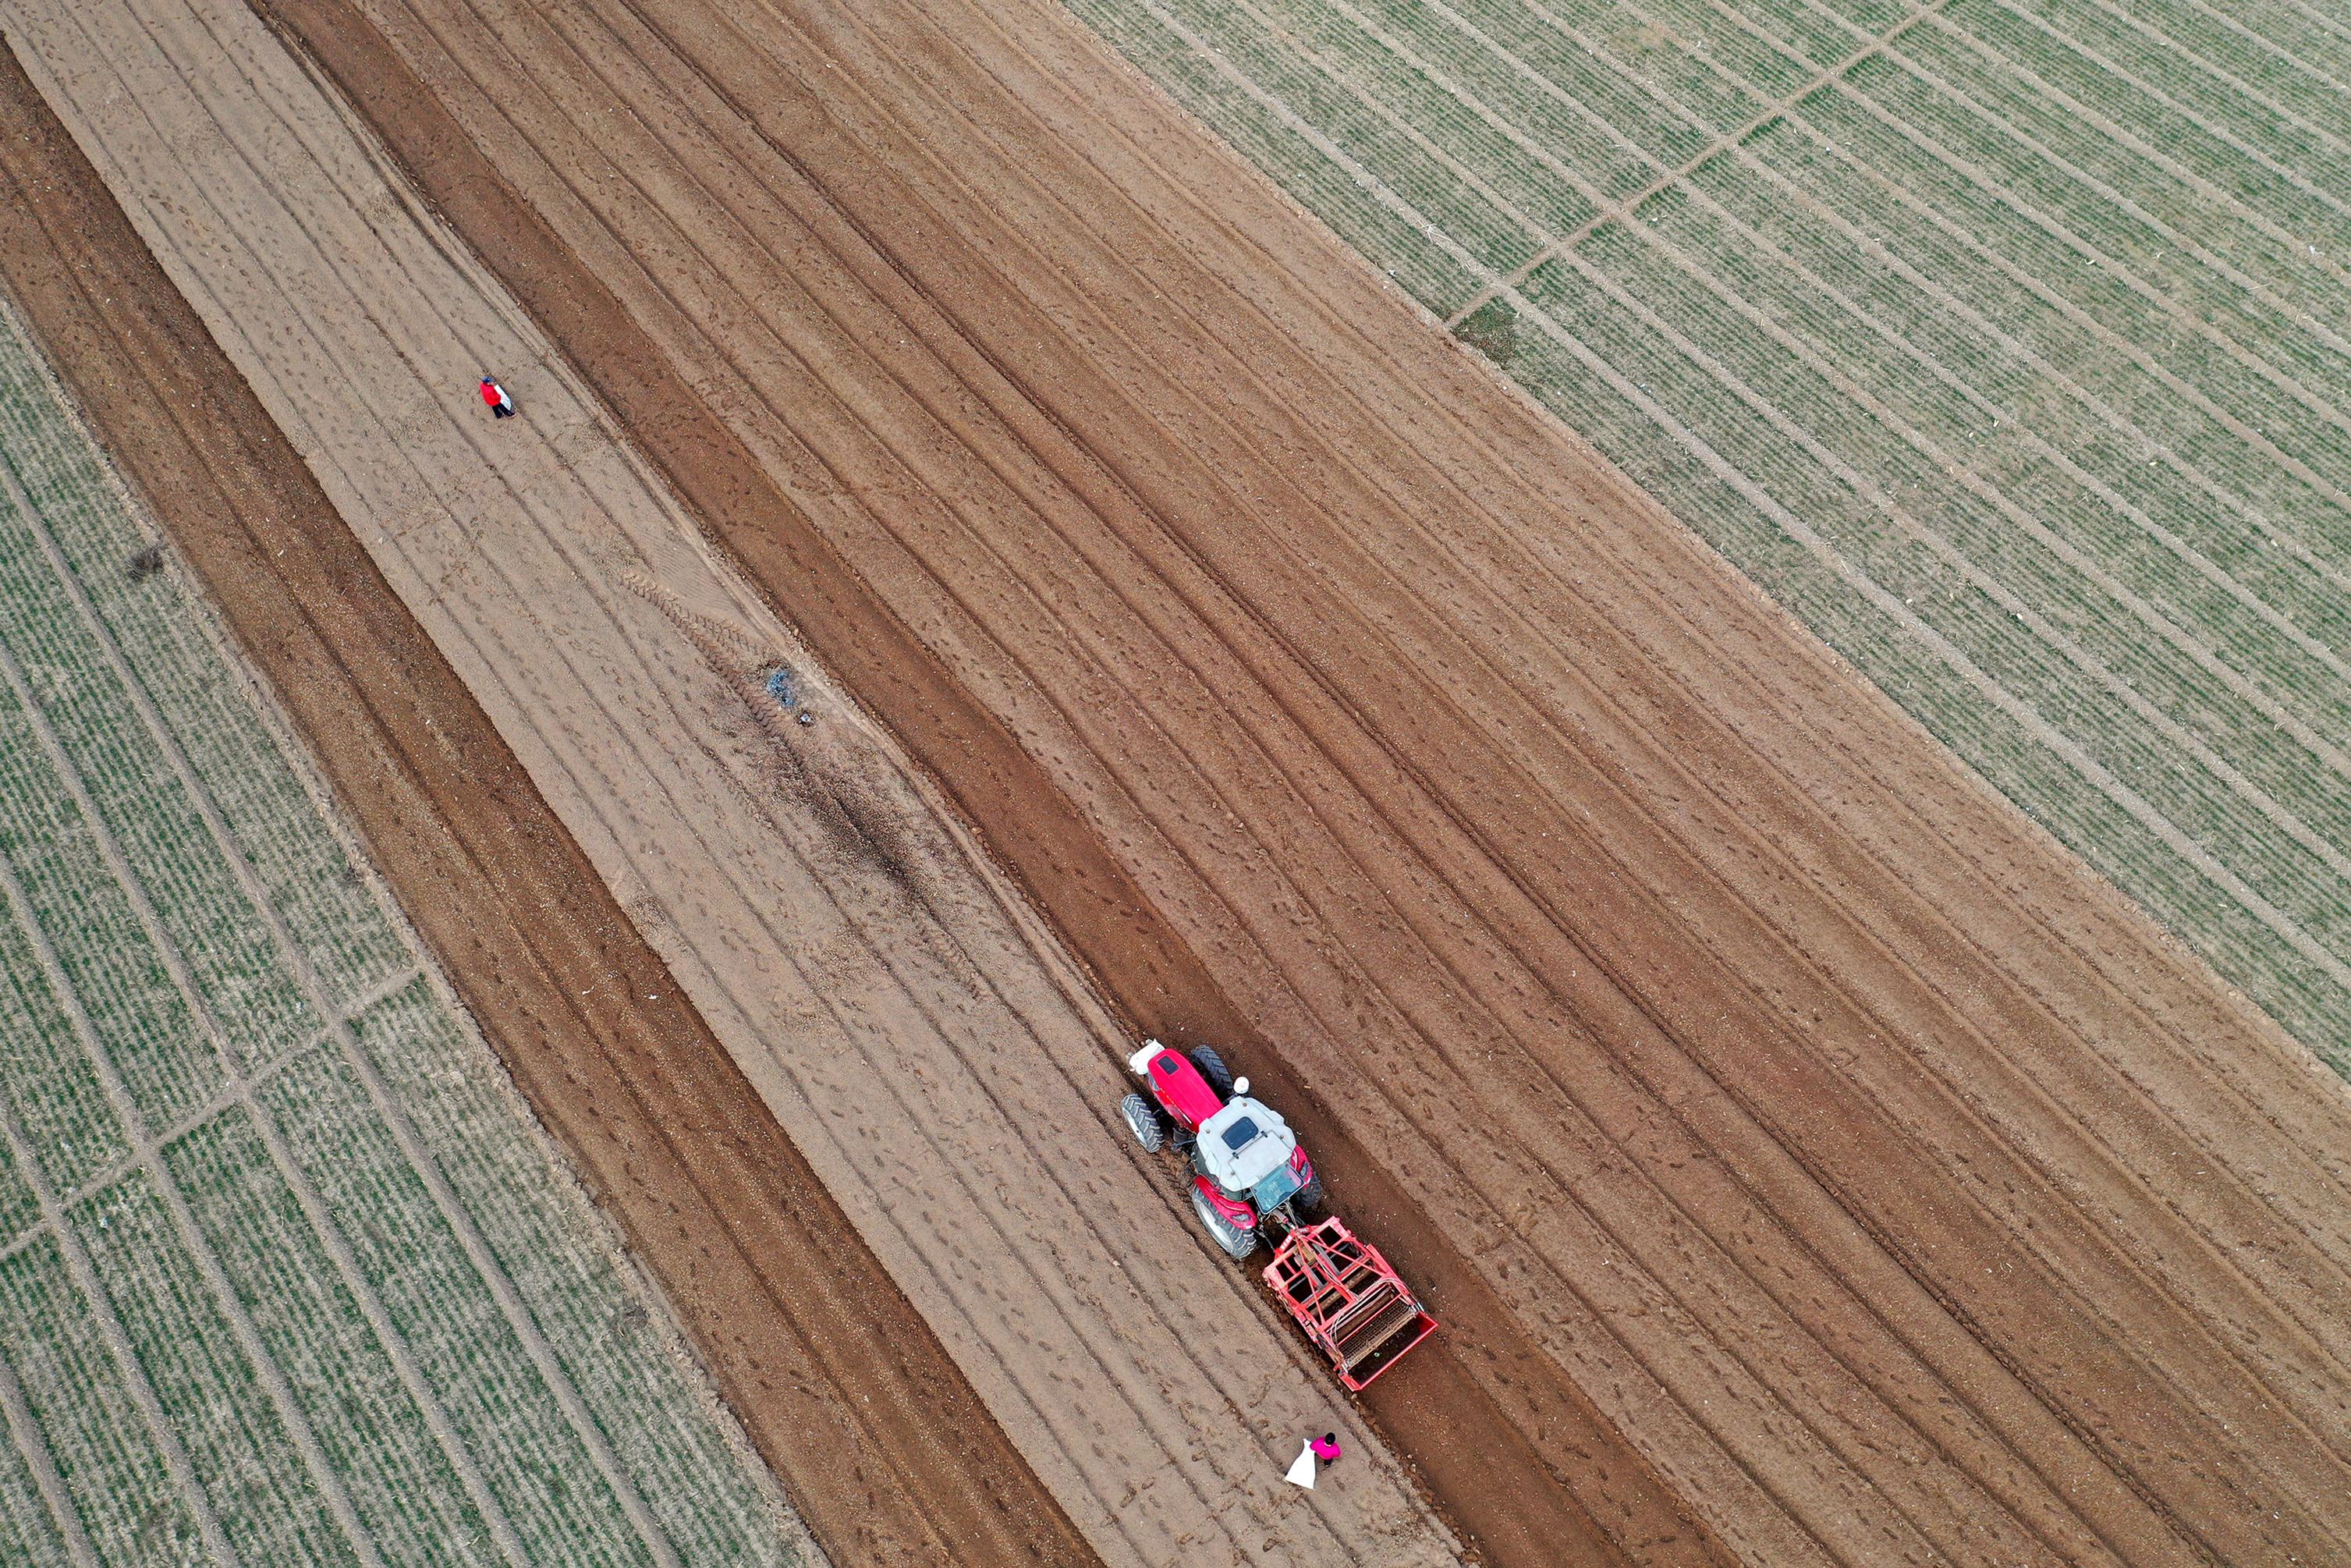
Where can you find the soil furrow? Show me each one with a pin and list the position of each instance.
(1131, 423)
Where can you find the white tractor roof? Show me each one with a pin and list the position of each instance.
(1243, 1143)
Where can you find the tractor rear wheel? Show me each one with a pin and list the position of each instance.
(1238, 1241)
(1212, 1068)
(1309, 1197)
(1146, 1121)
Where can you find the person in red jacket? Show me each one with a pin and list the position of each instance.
(501, 405)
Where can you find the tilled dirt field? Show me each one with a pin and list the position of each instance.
(1811, 1162)
(934, 1056)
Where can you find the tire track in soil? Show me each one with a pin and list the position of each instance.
(1977, 1106)
(844, 1389)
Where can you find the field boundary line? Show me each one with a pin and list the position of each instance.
(265, 1368)
(33, 1444)
(84, 1273)
(1887, 604)
(1622, 210)
(239, 1093)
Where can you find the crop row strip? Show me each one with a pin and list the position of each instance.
(2069, 40)
(2281, 923)
(192, 1234)
(84, 1274)
(2280, 53)
(1796, 116)
(1622, 210)
(2019, 349)
(25, 1432)
(237, 1092)
(2316, 402)
(353, 1277)
(2320, 330)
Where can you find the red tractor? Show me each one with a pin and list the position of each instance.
(1247, 1166)
(1249, 1176)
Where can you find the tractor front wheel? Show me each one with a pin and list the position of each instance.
(1238, 1241)
(1147, 1121)
(1212, 1068)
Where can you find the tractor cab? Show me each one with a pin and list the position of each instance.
(1246, 1149)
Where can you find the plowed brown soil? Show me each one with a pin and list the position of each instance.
(925, 1044)
(1890, 1187)
(848, 1393)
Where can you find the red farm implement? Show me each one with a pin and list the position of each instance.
(1347, 1299)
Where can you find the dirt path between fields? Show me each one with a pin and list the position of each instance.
(1021, 1352)
(1794, 1135)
